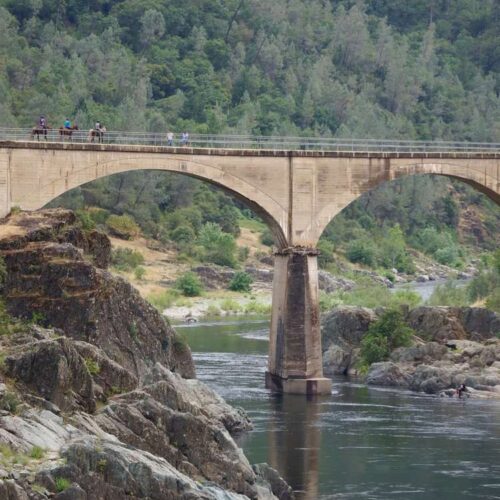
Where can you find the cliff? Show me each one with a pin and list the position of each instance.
(98, 398)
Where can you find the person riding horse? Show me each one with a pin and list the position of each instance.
(97, 131)
(40, 129)
(67, 130)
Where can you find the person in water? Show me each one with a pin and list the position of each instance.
(461, 390)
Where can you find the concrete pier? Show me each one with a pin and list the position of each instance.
(295, 361)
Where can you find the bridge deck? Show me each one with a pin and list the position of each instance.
(339, 152)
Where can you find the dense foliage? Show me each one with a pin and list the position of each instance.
(383, 336)
(427, 69)
(349, 68)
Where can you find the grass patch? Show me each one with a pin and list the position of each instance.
(37, 452)
(126, 259)
(9, 402)
(254, 307)
(230, 305)
(164, 299)
(62, 484)
(213, 311)
(10, 457)
(92, 366)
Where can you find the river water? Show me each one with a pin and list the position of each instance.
(360, 442)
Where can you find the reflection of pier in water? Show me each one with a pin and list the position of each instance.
(298, 442)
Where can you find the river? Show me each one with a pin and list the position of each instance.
(360, 442)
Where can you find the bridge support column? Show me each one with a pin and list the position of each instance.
(4, 183)
(295, 360)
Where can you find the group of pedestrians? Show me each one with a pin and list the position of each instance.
(184, 139)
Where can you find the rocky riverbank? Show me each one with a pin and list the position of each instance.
(451, 346)
(97, 392)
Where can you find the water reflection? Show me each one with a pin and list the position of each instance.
(294, 439)
(361, 442)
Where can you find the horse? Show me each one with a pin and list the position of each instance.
(67, 132)
(38, 131)
(93, 133)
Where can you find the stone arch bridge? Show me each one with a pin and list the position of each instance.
(296, 191)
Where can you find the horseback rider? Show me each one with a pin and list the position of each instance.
(67, 124)
(42, 122)
(98, 127)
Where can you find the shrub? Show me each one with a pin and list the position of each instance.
(241, 282)
(387, 333)
(362, 252)
(218, 247)
(493, 301)
(62, 484)
(98, 215)
(85, 220)
(230, 305)
(254, 307)
(9, 402)
(164, 299)
(123, 226)
(183, 234)
(447, 255)
(326, 249)
(92, 366)
(243, 253)
(139, 273)
(189, 284)
(126, 259)
(212, 310)
(267, 238)
(449, 294)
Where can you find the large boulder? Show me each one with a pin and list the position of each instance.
(54, 370)
(445, 323)
(342, 330)
(387, 374)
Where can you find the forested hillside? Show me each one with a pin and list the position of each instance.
(386, 68)
(425, 70)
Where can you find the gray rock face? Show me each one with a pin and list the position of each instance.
(443, 323)
(55, 370)
(342, 330)
(387, 374)
(433, 368)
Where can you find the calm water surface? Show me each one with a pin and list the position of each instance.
(358, 443)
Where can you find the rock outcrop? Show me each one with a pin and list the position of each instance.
(100, 402)
(51, 279)
(452, 346)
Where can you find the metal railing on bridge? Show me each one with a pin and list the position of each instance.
(256, 142)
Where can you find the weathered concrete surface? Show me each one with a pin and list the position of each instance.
(297, 192)
(295, 364)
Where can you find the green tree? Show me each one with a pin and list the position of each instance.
(218, 247)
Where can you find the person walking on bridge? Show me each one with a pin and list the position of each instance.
(170, 138)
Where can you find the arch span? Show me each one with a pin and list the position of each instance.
(60, 178)
(479, 178)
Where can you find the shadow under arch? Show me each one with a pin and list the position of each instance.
(214, 176)
(475, 178)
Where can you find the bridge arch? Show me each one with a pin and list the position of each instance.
(478, 178)
(273, 214)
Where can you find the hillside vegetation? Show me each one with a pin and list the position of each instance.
(427, 70)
